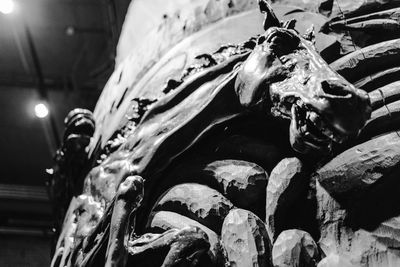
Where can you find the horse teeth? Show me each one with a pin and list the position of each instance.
(303, 129)
(323, 126)
(315, 119)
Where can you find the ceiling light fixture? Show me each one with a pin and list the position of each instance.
(6, 6)
(41, 110)
(70, 30)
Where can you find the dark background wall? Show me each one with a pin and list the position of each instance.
(18, 251)
(74, 68)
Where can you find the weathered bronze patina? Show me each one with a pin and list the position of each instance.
(184, 183)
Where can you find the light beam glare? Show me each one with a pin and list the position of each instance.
(7, 6)
(41, 110)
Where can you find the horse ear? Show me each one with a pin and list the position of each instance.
(325, 7)
(289, 24)
(309, 35)
(270, 19)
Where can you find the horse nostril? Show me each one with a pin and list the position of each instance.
(334, 88)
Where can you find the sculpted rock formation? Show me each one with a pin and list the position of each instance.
(193, 149)
(287, 183)
(357, 246)
(197, 202)
(245, 239)
(334, 260)
(241, 182)
(165, 220)
(295, 248)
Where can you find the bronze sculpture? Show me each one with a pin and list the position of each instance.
(196, 192)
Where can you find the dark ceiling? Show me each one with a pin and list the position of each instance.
(59, 51)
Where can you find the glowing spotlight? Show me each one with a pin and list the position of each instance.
(41, 110)
(70, 30)
(6, 6)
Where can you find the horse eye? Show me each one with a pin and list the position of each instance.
(284, 43)
(281, 47)
(261, 39)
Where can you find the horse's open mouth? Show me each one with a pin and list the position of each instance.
(309, 130)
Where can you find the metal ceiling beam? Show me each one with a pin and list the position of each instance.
(40, 81)
(35, 60)
(23, 192)
(25, 231)
(53, 85)
(21, 52)
(72, 2)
